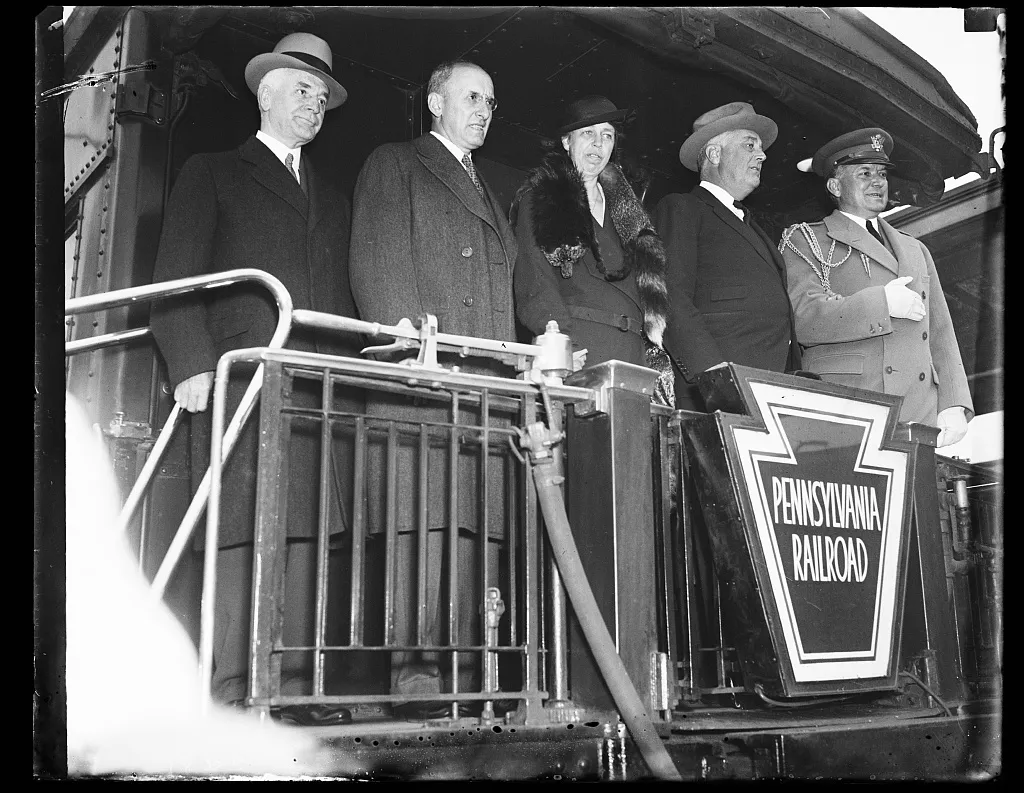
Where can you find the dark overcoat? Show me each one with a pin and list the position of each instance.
(425, 241)
(238, 209)
(543, 294)
(842, 316)
(727, 292)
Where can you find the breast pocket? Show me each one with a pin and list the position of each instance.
(840, 363)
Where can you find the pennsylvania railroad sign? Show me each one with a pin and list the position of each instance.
(828, 506)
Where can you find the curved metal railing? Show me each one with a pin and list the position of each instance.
(149, 292)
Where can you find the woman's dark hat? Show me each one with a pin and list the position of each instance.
(735, 115)
(872, 145)
(298, 51)
(588, 110)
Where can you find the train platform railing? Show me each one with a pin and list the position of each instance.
(145, 294)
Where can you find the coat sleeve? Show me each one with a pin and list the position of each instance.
(687, 338)
(382, 263)
(827, 317)
(949, 366)
(186, 249)
(538, 298)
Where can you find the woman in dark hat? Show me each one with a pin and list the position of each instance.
(589, 257)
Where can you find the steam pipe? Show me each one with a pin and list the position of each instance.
(548, 479)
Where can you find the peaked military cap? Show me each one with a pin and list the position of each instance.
(872, 146)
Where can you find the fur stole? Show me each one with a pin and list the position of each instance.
(564, 231)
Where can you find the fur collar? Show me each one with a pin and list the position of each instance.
(564, 231)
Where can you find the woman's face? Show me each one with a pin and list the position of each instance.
(590, 147)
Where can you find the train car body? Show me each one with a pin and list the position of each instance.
(793, 585)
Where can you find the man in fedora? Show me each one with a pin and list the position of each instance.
(261, 205)
(726, 280)
(429, 236)
(869, 307)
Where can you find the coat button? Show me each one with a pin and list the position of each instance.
(924, 295)
(888, 370)
(467, 300)
(467, 251)
(924, 335)
(921, 376)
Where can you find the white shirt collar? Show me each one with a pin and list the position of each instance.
(862, 222)
(722, 195)
(455, 150)
(280, 150)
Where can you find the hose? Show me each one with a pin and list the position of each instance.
(548, 480)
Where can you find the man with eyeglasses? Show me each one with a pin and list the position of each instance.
(869, 307)
(429, 236)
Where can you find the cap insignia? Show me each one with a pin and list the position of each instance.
(876, 142)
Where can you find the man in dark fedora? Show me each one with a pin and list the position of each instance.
(262, 205)
(726, 280)
(429, 236)
(870, 311)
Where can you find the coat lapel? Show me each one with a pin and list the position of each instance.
(842, 229)
(271, 174)
(440, 162)
(747, 232)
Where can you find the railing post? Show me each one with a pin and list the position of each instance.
(611, 511)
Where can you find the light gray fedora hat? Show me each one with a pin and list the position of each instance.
(735, 115)
(298, 51)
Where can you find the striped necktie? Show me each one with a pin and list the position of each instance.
(289, 161)
(471, 170)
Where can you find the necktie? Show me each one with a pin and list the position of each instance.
(744, 210)
(468, 162)
(289, 160)
(874, 233)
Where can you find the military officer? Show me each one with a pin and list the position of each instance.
(869, 308)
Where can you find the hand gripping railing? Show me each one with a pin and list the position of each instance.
(150, 292)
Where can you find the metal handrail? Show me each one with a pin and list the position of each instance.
(149, 292)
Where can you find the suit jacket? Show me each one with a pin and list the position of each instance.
(542, 294)
(847, 333)
(425, 241)
(236, 209)
(726, 290)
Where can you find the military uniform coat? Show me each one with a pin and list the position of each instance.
(425, 241)
(843, 318)
(727, 292)
(238, 209)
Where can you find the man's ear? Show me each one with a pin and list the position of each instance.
(263, 97)
(435, 104)
(713, 152)
(832, 185)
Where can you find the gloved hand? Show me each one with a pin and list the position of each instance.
(579, 360)
(194, 393)
(952, 423)
(903, 301)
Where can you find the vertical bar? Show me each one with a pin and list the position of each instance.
(268, 548)
(558, 684)
(665, 570)
(355, 607)
(692, 656)
(453, 540)
(531, 555)
(320, 623)
(486, 660)
(391, 536)
(421, 549)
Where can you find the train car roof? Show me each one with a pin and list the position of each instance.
(816, 71)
